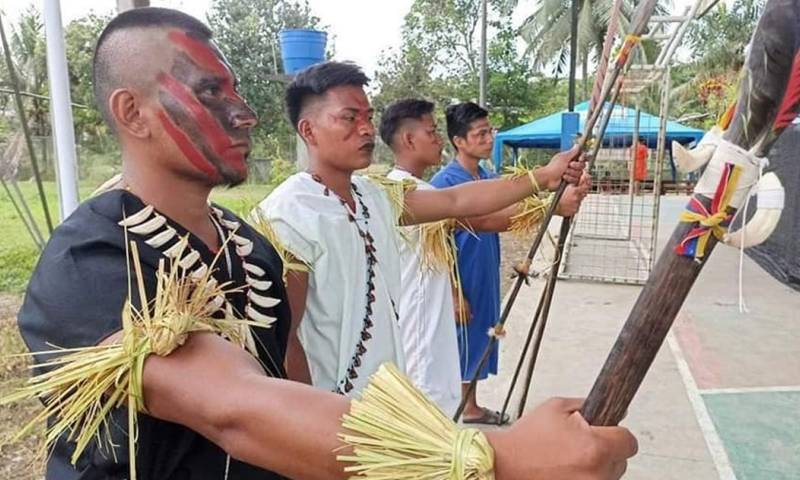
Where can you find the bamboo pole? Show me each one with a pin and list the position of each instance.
(30, 227)
(566, 225)
(12, 75)
(638, 24)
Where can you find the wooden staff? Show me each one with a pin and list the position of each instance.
(546, 297)
(768, 103)
(638, 24)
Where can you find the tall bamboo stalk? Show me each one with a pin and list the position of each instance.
(12, 75)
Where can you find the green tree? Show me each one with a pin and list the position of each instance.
(547, 32)
(706, 85)
(517, 93)
(247, 32)
(718, 40)
(80, 38)
(440, 41)
(28, 50)
(439, 56)
(439, 60)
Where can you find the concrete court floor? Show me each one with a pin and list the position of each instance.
(722, 399)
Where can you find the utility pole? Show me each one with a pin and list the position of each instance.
(482, 86)
(123, 5)
(61, 109)
(573, 55)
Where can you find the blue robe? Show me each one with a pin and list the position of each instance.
(479, 265)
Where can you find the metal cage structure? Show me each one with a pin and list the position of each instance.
(615, 233)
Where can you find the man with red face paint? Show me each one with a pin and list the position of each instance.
(212, 410)
(170, 97)
(343, 227)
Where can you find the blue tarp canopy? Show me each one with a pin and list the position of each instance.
(546, 132)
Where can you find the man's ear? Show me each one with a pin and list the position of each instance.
(125, 108)
(407, 139)
(459, 142)
(306, 130)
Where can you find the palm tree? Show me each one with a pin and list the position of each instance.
(28, 48)
(547, 31)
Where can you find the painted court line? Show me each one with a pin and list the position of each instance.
(778, 389)
(715, 447)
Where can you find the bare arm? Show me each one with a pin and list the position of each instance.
(296, 362)
(482, 198)
(494, 222)
(500, 221)
(216, 389)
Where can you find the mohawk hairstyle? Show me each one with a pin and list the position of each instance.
(317, 79)
(398, 113)
(107, 71)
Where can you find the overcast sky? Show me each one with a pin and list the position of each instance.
(362, 28)
(356, 39)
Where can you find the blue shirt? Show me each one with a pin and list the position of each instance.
(479, 267)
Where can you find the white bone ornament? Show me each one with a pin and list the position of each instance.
(261, 300)
(254, 269)
(230, 224)
(137, 217)
(149, 226)
(259, 284)
(215, 304)
(199, 272)
(690, 160)
(768, 213)
(728, 153)
(211, 283)
(174, 250)
(245, 249)
(189, 260)
(162, 238)
(259, 317)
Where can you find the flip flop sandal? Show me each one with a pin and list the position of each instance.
(489, 417)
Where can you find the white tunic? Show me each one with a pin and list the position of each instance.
(427, 320)
(344, 343)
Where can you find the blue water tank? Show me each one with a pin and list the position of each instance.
(302, 48)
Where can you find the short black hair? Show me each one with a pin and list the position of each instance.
(398, 112)
(460, 116)
(317, 79)
(104, 77)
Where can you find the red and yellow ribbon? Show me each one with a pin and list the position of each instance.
(713, 221)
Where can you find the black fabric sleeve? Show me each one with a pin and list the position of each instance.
(77, 291)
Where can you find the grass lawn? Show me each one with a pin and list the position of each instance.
(18, 253)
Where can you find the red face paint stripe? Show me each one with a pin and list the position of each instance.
(199, 52)
(791, 99)
(187, 148)
(205, 57)
(209, 126)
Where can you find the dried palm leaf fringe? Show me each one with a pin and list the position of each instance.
(437, 251)
(83, 385)
(532, 209)
(396, 433)
(290, 261)
(531, 212)
(517, 171)
(397, 190)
